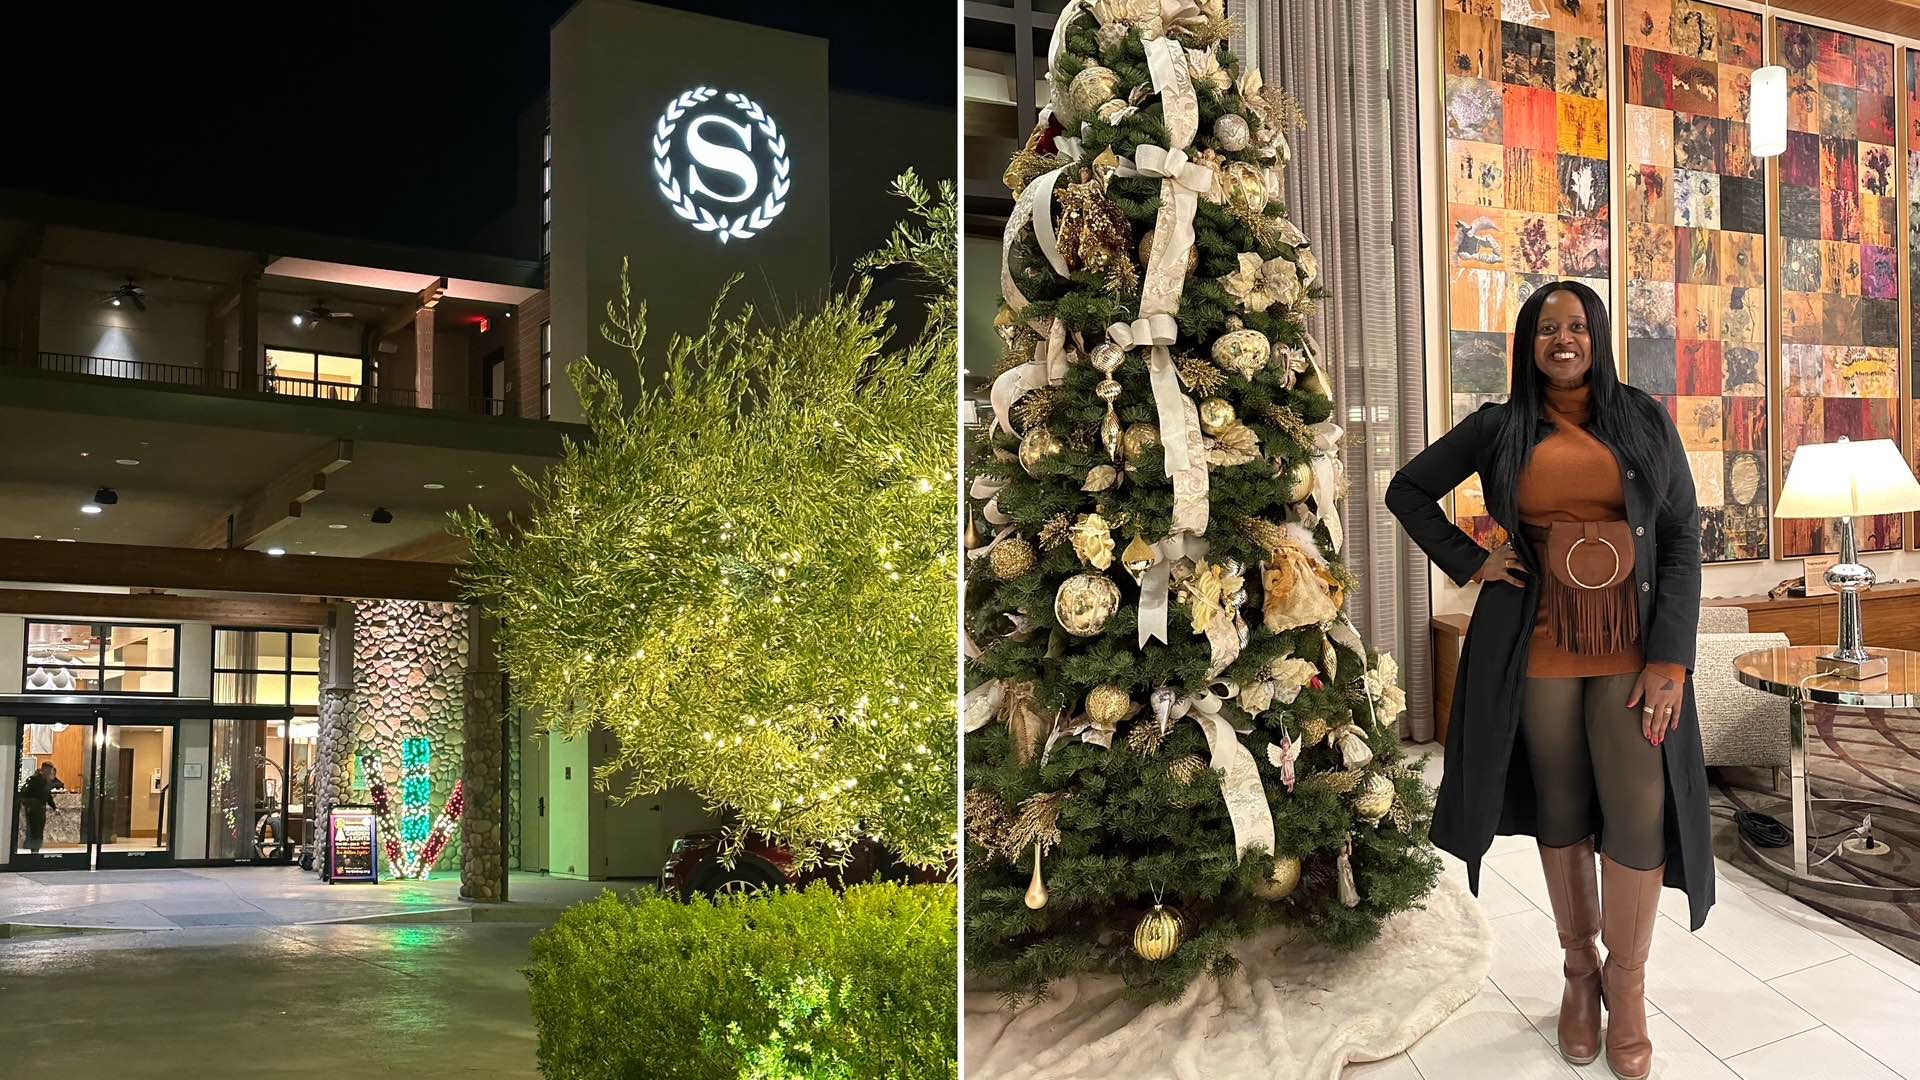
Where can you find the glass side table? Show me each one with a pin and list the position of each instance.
(1792, 672)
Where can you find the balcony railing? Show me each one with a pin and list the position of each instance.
(276, 384)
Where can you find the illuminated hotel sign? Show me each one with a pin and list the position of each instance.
(353, 845)
(721, 163)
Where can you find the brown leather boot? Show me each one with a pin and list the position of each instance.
(1630, 902)
(1576, 914)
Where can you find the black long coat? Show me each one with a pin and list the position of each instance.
(1487, 787)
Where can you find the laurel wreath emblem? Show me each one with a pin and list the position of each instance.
(724, 226)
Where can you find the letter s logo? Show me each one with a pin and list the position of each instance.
(727, 159)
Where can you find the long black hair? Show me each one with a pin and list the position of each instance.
(1623, 417)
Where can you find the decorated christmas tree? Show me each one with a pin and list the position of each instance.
(746, 572)
(1175, 738)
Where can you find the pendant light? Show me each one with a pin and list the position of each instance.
(1767, 106)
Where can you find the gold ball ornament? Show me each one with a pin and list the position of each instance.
(1010, 558)
(1108, 705)
(1112, 111)
(1285, 879)
(1092, 88)
(1085, 602)
(1158, 935)
(1231, 132)
(1106, 357)
(1038, 447)
(1146, 250)
(1216, 415)
(1298, 482)
(1243, 352)
(1138, 439)
(1374, 798)
(1246, 189)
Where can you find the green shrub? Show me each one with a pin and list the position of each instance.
(780, 985)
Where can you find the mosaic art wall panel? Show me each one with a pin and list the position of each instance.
(1694, 262)
(1528, 198)
(1839, 371)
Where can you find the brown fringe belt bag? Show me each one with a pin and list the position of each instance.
(1588, 593)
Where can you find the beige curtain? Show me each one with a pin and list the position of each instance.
(1353, 188)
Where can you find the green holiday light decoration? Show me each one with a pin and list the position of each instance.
(416, 794)
(416, 843)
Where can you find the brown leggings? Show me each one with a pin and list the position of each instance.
(1581, 736)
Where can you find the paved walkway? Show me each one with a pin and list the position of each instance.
(260, 896)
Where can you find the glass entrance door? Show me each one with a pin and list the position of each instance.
(93, 794)
(52, 811)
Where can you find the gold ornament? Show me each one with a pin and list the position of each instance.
(1036, 406)
(1285, 879)
(1085, 602)
(1146, 251)
(1200, 376)
(1038, 447)
(1349, 892)
(985, 819)
(1216, 415)
(1038, 822)
(1231, 132)
(1158, 935)
(1108, 705)
(1373, 798)
(1101, 478)
(1298, 591)
(1011, 558)
(1139, 556)
(1210, 593)
(1187, 768)
(1235, 445)
(1093, 541)
(1088, 90)
(1112, 111)
(1037, 891)
(973, 533)
(1028, 728)
(1106, 357)
(1246, 188)
(1093, 234)
(1297, 482)
(1244, 352)
(1055, 531)
(1354, 751)
(1137, 439)
(1145, 738)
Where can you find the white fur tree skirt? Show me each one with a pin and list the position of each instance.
(1299, 1012)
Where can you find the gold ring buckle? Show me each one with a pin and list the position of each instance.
(1571, 576)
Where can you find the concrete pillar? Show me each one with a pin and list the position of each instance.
(423, 357)
(253, 360)
(20, 322)
(483, 862)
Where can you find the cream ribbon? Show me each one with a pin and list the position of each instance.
(1167, 65)
(1023, 212)
(1325, 466)
(1156, 582)
(1043, 221)
(1240, 786)
(988, 488)
(1049, 365)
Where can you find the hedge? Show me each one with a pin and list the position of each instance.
(776, 985)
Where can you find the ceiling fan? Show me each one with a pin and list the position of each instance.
(318, 314)
(127, 295)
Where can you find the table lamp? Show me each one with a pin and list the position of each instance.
(1846, 480)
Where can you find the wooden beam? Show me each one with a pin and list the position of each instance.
(281, 500)
(126, 565)
(1886, 16)
(425, 300)
(165, 607)
(439, 547)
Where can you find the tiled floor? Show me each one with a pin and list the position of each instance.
(1768, 988)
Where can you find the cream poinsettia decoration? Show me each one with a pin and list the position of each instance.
(1383, 685)
(1204, 68)
(1261, 283)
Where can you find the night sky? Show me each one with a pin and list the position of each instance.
(395, 122)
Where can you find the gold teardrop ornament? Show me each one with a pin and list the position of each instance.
(1037, 891)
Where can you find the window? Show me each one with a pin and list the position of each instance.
(546, 370)
(302, 373)
(267, 667)
(101, 658)
(546, 195)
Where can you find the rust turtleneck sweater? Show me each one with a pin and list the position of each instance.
(1572, 476)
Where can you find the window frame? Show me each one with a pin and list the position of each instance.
(360, 388)
(104, 630)
(287, 673)
(546, 369)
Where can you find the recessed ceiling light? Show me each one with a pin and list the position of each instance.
(479, 487)
(66, 539)
(84, 453)
(90, 508)
(36, 536)
(336, 525)
(126, 461)
(433, 487)
(276, 552)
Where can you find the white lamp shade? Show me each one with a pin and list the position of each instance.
(1848, 479)
(1767, 112)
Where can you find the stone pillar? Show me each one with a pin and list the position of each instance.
(483, 863)
(513, 787)
(423, 358)
(333, 763)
